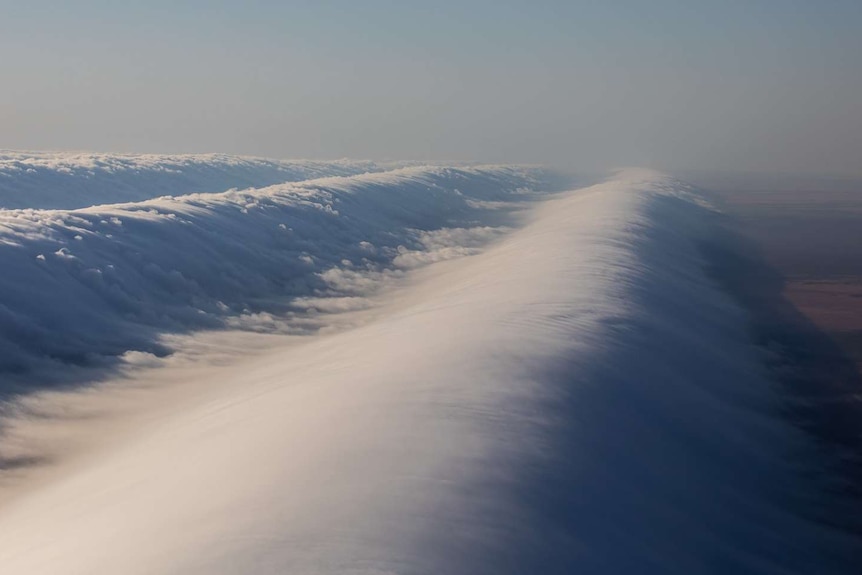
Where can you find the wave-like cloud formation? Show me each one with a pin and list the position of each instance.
(579, 398)
(83, 287)
(68, 180)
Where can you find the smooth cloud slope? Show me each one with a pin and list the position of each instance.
(578, 398)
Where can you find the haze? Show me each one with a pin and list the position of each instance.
(760, 85)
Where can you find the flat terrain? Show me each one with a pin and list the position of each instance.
(810, 234)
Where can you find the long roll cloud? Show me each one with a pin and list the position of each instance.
(579, 397)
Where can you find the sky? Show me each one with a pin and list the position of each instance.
(756, 85)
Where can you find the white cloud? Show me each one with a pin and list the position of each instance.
(75, 180)
(580, 397)
(180, 264)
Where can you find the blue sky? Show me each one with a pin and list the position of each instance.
(762, 85)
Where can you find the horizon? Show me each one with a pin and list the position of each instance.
(763, 87)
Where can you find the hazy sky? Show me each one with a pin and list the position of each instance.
(772, 85)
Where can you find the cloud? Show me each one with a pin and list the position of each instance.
(579, 397)
(237, 259)
(75, 180)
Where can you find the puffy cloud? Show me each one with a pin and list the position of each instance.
(238, 259)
